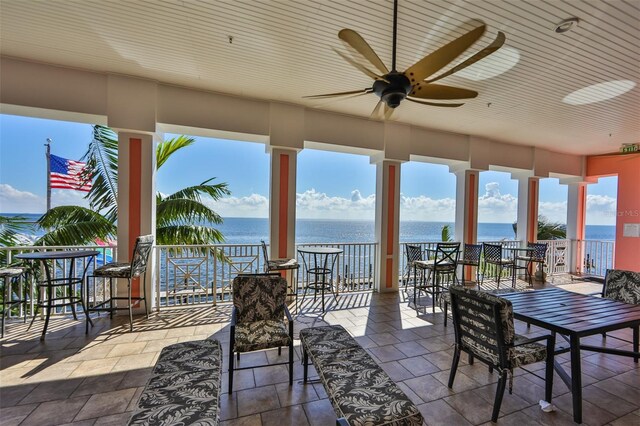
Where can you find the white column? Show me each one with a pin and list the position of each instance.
(282, 203)
(527, 221)
(136, 202)
(387, 224)
(576, 216)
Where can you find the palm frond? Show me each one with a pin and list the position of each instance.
(215, 191)
(187, 235)
(180, 211)
(166, 148)
(446, 234)
(102, 163)
(74, 225)
(10, 227)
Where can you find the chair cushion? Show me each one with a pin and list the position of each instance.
(527, 353)
(623, 286)
(114, 270)
(11, 271)
(258, 335)
(431, 264)
(184, 387)
(282, 264)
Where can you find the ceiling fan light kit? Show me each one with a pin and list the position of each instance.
(416, 83)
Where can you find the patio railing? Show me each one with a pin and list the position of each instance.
(597, 256)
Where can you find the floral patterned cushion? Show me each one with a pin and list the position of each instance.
(114, 270)
(259, 297)
(623, 286)
(258, 335)
(283, 264)
(184, 386)
(11, 271)
(359, 390)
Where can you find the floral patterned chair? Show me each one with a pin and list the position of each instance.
(136, 268)
(623, 286)
(257, 319)
(484, 329)
(184, 387)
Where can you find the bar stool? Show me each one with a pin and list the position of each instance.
(10, 277)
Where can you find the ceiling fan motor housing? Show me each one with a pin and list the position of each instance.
(393, 88)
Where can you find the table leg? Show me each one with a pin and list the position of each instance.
(50, 291)
(72, 295)
(636, 342)
(576, 379)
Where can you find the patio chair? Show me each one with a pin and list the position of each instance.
(444, 263)
(258, 319)
(12, 296)
(282, 265)
(538, 255)
(623, 286)
(471, 257)
(493, 256)
(137, 268)
(484, 329)
(412, 253)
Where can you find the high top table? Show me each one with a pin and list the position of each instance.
(51, 283)
(321, 268)
(574, 316)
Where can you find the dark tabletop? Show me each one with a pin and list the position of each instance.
(572, 313)
(63, 254)
(320, 250)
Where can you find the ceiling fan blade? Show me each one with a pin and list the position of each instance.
(360, 67)
(434, 104)
(376, 111)
(497, 44)
(388, 112)
(354, 40)
(424, 90)
(331, 95)
(437, 60)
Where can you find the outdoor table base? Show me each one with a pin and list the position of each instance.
(573, 316)
(51, 284)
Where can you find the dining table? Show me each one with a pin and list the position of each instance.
(47, 294)
(574, 316)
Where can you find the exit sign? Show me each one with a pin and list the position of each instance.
(630, 147)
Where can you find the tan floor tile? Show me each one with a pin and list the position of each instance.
(99, 384)
(287, 416)
(113, 420)
(123, 349)
(133, 362)
(158, 345)
(254, 420)
(51, 391)
(438, 413)
(320, 413)
(428, 388)
(108, 403)
(298, 393)
(12, 395)
(11, 416)
(387, 353)
(257, 400)
(94, 367)
(135, 378)
(620, 389)
(271, 375)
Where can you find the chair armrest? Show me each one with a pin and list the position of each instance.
(546, 337)
(234, 316)
(288, 314)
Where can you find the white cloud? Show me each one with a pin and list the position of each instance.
(427, 209)
(13, 200)
(601, 210)
(312, 204)
(254, 205)
(495, 207)
(554, 211)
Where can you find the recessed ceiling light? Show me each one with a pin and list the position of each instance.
(599, 92)
(567, 24)
(501, 61)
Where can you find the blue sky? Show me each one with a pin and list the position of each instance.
(330, 185)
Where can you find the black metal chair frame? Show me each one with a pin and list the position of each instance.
(539, 255)
(471, 254)
(320, 273)
(412, 253)
(10, 276)
(271, 265)
(232, 334)
(444, 263)
(488, 313)
(492, 254)
(138, 267)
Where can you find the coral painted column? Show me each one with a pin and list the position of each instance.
(136, 201)
(627, 168)
(466, 226)
(387, 224)
(282, 207)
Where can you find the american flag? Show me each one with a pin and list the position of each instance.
(68, 174)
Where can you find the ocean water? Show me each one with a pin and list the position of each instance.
(252, 230)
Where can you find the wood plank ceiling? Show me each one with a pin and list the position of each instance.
(282, 50)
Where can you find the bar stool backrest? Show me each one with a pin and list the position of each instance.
(141, 253)
(539, 250)
(265, 253)
(447, 253)
(471, 253)
(413, 253)
(492, 252)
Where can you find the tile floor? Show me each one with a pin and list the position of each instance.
(95, 379)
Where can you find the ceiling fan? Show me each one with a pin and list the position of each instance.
(416, 83)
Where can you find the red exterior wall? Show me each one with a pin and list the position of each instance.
(627, 168)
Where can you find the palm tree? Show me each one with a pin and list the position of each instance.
(10, 229)
(181, 217)
(547, 230)
(445, 233)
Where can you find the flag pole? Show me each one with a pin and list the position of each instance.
(48, 152)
